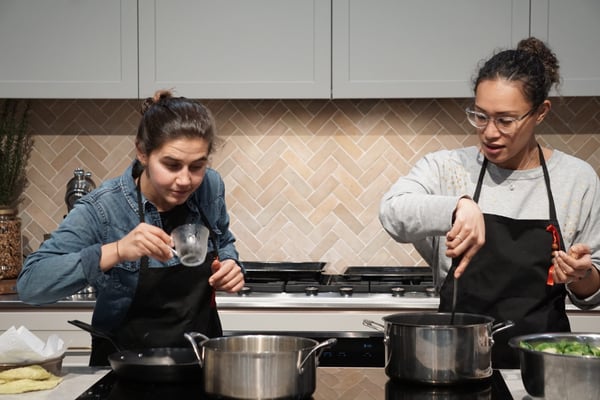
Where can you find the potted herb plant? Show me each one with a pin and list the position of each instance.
(15, 148)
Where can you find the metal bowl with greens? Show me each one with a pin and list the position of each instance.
(560, 365)
(564, 346)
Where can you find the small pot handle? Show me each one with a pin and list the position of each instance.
(374, 325)
(191, 337)
(500, 326)
(321, 346)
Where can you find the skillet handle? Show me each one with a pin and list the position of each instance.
(95, 332)
(191, 337)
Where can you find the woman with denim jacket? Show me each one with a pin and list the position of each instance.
(117, 238)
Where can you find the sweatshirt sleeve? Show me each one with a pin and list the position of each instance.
(589, 220)
(417, 206)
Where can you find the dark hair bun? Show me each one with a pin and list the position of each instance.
(536, 47)
(156, 99)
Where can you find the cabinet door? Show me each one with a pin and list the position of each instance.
(236, 48)
(572, 30)
(67, 48)
(418, 48)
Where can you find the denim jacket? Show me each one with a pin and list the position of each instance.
(69, 260)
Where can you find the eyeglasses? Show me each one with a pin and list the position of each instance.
(505, 125)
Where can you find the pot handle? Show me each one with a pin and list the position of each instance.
(191, 337)
(500, 326)
(374, 325)
(321, 346)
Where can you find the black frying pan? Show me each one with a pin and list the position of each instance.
(161, 364)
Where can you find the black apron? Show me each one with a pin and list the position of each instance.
(507, 278)
(167, 303)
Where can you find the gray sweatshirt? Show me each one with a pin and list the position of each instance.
(418, 208)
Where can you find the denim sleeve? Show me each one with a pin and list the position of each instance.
(211, 199)
(227, 248)
(65, 263)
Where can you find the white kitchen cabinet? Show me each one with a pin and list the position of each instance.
(281, 48)
(236, 48)
(68, 49)
(572, 29)
(418, 48)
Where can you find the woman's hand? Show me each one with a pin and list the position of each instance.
(227, 276)
(467, 235)
(143, 240)
(575, 268)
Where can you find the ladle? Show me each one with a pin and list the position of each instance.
(455, 262)
(454, 290)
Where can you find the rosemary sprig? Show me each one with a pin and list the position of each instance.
(15, 148)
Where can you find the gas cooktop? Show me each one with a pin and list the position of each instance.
(310, 279)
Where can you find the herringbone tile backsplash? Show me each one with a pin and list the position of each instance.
(303, 178)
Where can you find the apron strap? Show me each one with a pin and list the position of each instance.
(144, 261)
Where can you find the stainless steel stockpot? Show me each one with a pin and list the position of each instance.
(426, 348)
(258, 366)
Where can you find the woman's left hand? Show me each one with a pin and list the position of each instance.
(574, 265)
(227, 276)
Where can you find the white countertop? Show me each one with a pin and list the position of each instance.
(75, 381)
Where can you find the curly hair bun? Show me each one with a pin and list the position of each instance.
(538, 48)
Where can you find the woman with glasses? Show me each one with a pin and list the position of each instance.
(517, 224)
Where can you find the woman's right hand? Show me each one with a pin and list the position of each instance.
(467, 234)
(143, 240)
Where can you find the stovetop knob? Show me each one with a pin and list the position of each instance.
(397, 291)
(346, 291)
(430, 291)
(311, 290)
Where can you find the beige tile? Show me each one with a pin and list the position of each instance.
(304, 177)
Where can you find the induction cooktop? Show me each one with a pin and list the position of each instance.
(110, 387)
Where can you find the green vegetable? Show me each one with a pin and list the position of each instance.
(570, 347)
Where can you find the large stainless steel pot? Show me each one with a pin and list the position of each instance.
(426, 348)
(559, 376)
(258, 366)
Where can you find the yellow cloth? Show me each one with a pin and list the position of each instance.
(27, 379)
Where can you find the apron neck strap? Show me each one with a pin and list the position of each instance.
(144, 261)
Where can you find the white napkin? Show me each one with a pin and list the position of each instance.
(21, 346)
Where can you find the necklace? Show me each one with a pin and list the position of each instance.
(531, 162)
